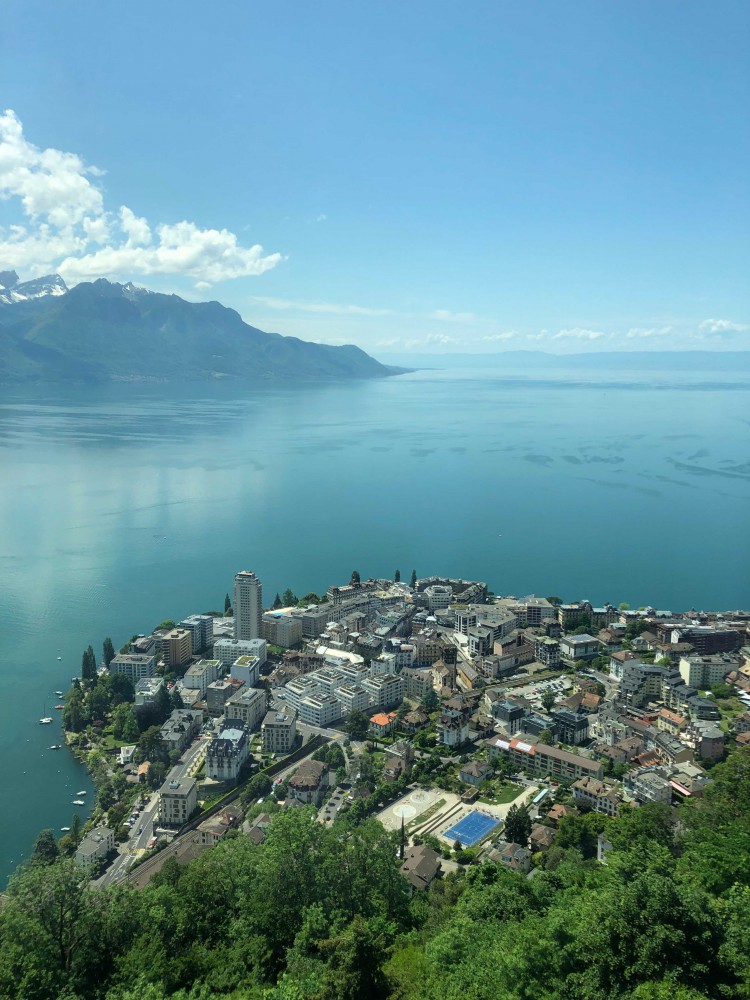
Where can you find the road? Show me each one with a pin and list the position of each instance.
(143, 830)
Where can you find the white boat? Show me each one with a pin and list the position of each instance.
(78, 802)
(56, 746)
(64, 829)
(58, 694)
(45, 721)
(59, 657)
(82, 793)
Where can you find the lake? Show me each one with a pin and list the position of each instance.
(128, 504)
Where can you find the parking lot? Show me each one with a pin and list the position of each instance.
(560, 686)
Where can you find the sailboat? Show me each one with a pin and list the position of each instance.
(45, 719)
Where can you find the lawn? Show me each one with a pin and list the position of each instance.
(499, 793)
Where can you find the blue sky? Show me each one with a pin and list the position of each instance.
(420, 177)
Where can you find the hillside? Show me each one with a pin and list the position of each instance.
(102, 331)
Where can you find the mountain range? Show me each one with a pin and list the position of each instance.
(102, 330)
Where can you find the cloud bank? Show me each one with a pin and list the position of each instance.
(67, 229)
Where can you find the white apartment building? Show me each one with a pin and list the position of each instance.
(177, 800)
(136, 666)
(384, 691)
(281, 629)
(147, 689)
(439, 597)
(352, 698)
(200, 675)
(246, 669)
(227, 651)
(95, 846)
(248, 606)
(319, 710)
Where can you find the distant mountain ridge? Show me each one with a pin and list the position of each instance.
(102, 330)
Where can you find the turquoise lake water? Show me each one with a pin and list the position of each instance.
(125, 505)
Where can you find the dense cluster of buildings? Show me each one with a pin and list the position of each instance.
(631, 717)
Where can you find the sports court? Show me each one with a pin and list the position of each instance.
(471, 828)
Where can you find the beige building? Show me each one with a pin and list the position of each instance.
(282, 630)
(177, 800)
(249, 706)
(176, 647)
(248, 606)
(279, 731)
(95, 846)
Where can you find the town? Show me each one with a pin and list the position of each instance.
(475, 727)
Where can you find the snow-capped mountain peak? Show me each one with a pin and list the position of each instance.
(12, 290)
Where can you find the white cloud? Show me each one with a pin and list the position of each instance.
(446, 316)
(331, 308)
(637, 332)
(509, 335)
(722, 326)
(579, 334)
(321, 218)
(67, 229)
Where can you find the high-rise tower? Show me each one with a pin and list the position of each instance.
(248, 606)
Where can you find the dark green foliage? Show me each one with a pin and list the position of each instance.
(413, 579)
(357, 725)
(108, 651)
(356, 577)
(45, 850)
(288, 598)
(227, 604)
(276, 603)
(397, 576)
(517, 825)
(88, 664)
(321, 913)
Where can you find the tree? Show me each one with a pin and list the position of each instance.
(257, 788)
(357, 725)
(108, 651)
(276, 603)
(167, 623)
(46, 850)
(623, 606)
(176, 699)
(288, 598)
(413, 581)
(98, 702)
(547, 738)
(557, 601)
(120, 688)
(548, 699)
(430, 702)
(227, 604)
(151, 746)
(355, 577)
(122, 717)
(397, 576)
(518, 825)
(88, 664)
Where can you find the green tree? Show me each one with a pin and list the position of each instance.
(413, 579)
(227, 604)
(74, 713)
(108, 651)
(97, 702)
(547, 737)
(121, 716)
(556, 601)
(276, 603)
(397, 576)
(356, 579)
(120, 688)
(517, 825)
(357, 725)
(548, 699)
(167, 623)
(176, 701)
(257, 788)
(288, 599)
(151, 746)
(46, 850)
(430, 702)
(88, 664)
